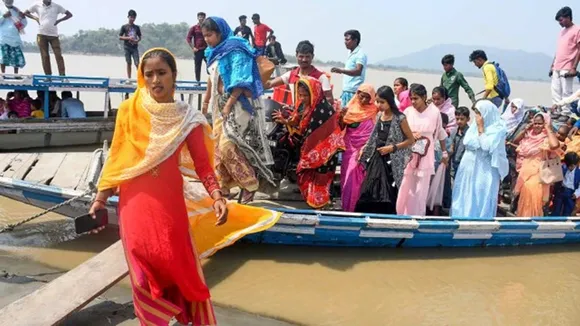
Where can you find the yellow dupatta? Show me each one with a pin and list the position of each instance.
(146, 134)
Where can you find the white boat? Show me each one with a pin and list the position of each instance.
(57, 132)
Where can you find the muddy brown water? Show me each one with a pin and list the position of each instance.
(352, 286)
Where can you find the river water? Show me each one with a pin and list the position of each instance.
(347, 286)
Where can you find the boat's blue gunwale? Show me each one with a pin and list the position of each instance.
(306, 227)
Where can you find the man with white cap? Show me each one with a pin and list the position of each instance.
(12, 24)
(48, 20)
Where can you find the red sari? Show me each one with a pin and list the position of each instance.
(153, 224)
(323, 141)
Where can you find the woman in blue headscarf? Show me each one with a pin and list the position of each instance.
(234, 87)
(483, 166)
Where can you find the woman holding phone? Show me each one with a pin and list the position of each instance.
(164, 220)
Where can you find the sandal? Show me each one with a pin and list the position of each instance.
(247, 197)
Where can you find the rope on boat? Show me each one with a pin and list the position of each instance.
(12, 226)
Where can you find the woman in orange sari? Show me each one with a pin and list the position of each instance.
(157, 142)
(359, 121)
(318, 123)
(536, 143)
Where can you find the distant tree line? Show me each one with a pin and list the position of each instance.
(105, 41)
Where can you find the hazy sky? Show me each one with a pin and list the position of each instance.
(389, 28)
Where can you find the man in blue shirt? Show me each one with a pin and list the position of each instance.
(355, 67)
(71, 107)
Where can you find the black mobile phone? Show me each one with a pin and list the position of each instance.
(86, 223)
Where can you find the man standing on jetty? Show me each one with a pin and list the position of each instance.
(563, 69)
(355, 68)
(130, 34)
(48, 12)
(261, 33)
(453, 79)
(197, 43)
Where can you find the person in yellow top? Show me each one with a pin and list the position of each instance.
(479, 59)
(37, 111)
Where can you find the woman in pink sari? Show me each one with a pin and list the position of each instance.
(359, 121)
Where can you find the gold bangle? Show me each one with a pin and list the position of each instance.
(222, 199)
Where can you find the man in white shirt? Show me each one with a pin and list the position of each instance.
(48, 13)
(304, 56)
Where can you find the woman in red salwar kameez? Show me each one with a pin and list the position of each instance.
(164, 220)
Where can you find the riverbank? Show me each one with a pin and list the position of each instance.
(20, 276)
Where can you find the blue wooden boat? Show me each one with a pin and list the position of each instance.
(47, 179)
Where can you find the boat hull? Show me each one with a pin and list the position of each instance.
(318, 228)
(55, 133)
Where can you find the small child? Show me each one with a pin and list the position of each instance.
(563, 133)
(568, 191)
(37, 111)
(457, 147)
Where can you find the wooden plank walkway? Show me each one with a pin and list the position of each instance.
(5, 160)
(46, 168)
(52, 303)
(71, 170)
(20, 166)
